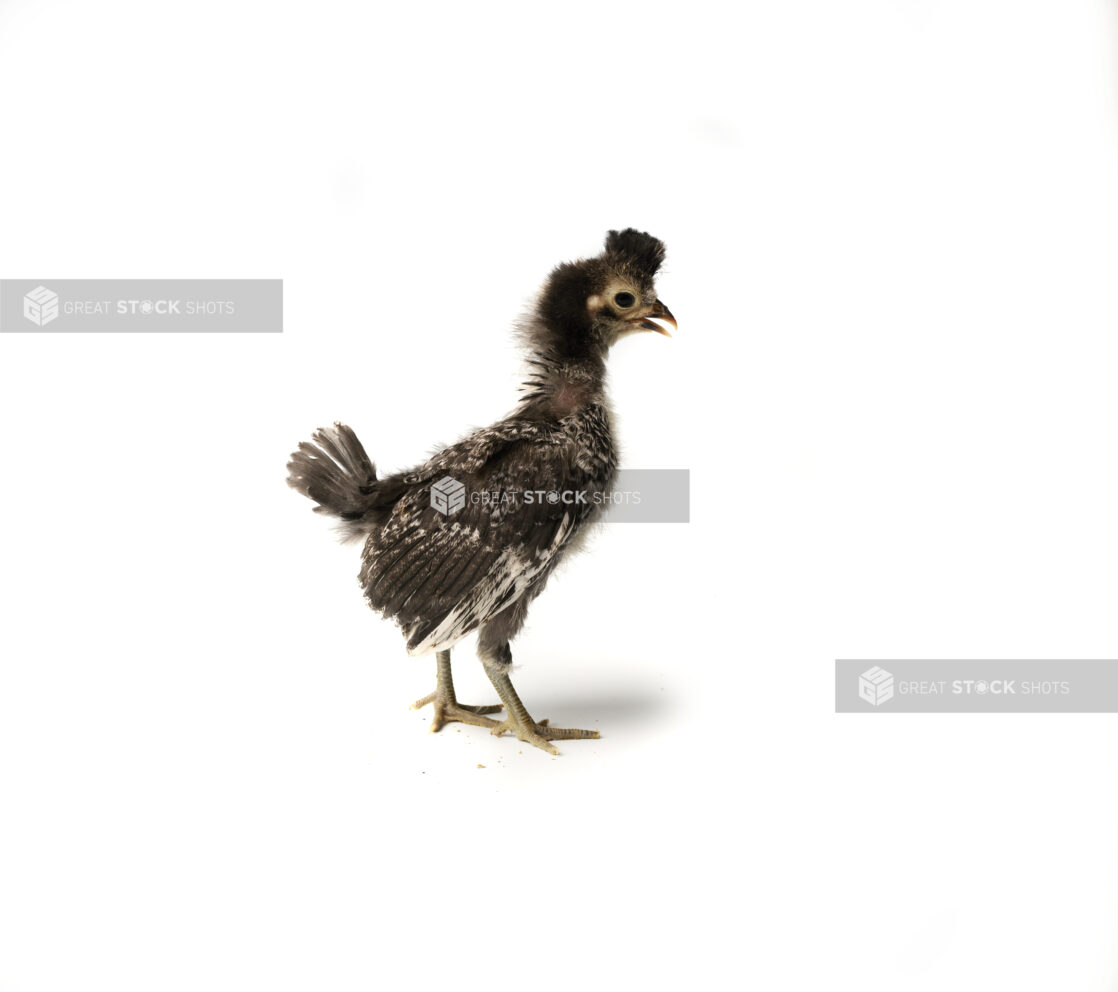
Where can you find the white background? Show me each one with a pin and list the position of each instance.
(892, 232)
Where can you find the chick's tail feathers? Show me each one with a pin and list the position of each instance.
(333, 470)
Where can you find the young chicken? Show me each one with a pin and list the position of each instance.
(465, 541)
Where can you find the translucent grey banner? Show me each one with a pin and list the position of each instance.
(650, 496)
(61, 306)
(640, 496)
(1054, 685)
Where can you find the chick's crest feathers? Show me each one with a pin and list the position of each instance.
(635, 250)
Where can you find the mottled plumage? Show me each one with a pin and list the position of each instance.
(442, 576)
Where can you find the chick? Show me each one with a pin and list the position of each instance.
(465, 541)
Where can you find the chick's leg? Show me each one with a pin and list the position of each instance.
(446, 705)
(497, 661)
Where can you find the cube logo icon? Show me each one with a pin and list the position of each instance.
(448, 495)
(875, 686)
(40, 306)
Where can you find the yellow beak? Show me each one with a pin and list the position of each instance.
(647, 321)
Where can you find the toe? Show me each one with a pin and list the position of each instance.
(562, 734)
(545, 729)
(542, 743)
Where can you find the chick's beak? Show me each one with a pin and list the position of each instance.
(659, 312)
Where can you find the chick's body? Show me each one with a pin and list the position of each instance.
(531, 483)
(522, 491)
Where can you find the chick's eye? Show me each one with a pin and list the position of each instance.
(624, 300)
